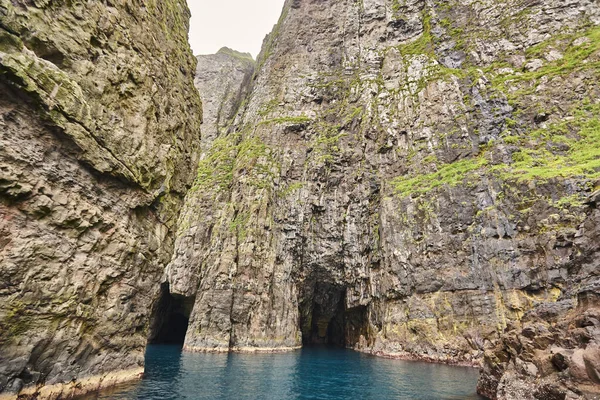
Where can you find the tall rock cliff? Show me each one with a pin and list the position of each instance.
(223, 80)
(410, 178)
(99, 138)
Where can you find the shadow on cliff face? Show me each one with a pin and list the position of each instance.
(170, 317)
(325, 320)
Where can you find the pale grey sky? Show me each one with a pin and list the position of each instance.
(237, 24)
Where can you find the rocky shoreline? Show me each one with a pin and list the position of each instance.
(427, 359)
(80, 387)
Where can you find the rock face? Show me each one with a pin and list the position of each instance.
(411, 179)
(99, 133)
(553, 352)
(223, 80)
(407, 178)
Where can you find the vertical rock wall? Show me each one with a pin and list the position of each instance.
(408, 178)
(223, 80)
(411, 179)
(99, 136)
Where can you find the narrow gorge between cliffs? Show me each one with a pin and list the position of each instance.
(396, 198)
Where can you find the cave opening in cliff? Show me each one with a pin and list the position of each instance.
(170, 317)
(326, 320)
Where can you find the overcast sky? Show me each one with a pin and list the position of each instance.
(238, 24)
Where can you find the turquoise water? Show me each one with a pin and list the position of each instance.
(312, 373)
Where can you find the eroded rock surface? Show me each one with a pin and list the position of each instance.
(553, 352)
(99, 135)
(224, 81)
(409, 179)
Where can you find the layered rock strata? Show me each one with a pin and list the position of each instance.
(99, 136)
(409, 179)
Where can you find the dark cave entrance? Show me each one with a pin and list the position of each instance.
(325, 320)
(170, 317)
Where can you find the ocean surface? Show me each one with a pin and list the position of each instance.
(311, 373)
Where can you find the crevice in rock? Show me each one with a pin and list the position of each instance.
(170, 317)
(46, 50)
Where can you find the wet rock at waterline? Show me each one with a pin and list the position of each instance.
(409, 179)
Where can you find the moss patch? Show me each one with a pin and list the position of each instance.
(570, 148)
(233, 154)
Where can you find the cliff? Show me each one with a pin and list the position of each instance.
(100, 131)
(223, 81)
(410, 179)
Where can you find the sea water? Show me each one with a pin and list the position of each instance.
(311, 373)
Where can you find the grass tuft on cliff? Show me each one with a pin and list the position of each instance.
(569, 148)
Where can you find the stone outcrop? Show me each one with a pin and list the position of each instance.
(409, 179)
(99, 136)
(553, 352)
